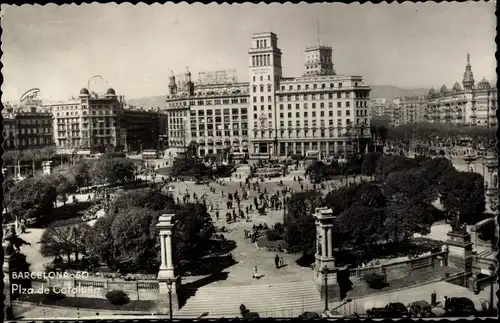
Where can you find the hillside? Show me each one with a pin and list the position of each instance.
(378, 91)
(390, 92)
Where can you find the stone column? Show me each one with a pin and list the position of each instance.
(330, 245)
(168, 242)
(166, 275)
(324, 249)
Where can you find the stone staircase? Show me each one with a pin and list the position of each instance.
(275, 300)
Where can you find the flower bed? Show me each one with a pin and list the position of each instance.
(90, 303)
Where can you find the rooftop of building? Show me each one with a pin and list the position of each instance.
(319, 78)
(318, 47)
(264, 34)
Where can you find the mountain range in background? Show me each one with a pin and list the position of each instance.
(388, 92)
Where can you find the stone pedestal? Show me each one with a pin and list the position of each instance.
(460, 250)
(47, 167)
(324, 261)
(167, 281)
(14, 263)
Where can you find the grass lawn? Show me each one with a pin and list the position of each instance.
(90, 303)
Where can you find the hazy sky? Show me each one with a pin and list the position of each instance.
(58, 49)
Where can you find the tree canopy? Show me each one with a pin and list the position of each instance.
(462, 193)
(31, 198)
(127, 238)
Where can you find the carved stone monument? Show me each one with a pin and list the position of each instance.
(325, 270)
(459, 244)
(168, 282)
(14, 261)
(47, 167)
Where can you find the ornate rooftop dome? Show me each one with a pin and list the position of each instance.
(432, 92)
(84, 91)
(457, 87)
(484, 85)
(111, 92)
(444, 89)
(468, 80)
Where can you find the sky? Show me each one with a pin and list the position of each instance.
(135, 47)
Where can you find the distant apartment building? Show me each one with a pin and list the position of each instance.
(318, 112)
(143, 128)
(97, 123)
(26, 127)
(378, 106)
(411, 109)
(469, 104)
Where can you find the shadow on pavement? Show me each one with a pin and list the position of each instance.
(190, 289)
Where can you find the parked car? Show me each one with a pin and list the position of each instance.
(460, 307)
(379, 312)
(420, 309)
(397, 309)
(309, 316)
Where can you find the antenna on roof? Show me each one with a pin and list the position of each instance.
(319, 42)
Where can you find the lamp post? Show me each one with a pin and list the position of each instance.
(492, 273)
(469, 159)
(169, 286)
(324, 271)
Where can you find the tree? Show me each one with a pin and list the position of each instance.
(113, 170)
(362, 225)
(99, 242)
(149, 199)
(64, 184)
(390, 164)
(114, 241)
(134, 244)
(432, 170)
(193, 230)
(81, 172)
(298, 222)
(462, 194)
(31, 198)
(370, 161)
(61, 239)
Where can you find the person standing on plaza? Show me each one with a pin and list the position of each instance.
(255, 272)
(277, 261)
(433, 298)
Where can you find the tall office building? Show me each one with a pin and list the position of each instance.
(317, 113)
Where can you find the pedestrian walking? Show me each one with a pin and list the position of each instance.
(433, 298)
(446, 303)
(282, 262)
(277, 261)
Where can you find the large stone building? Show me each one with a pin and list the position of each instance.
(26, 128)
(143, 128)
(213, 112)
(319, 112)
(469, 104)
(96, 123)
(90, 122)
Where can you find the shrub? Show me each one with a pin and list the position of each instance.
(117, 297)
(274, 235)
(375, 280)
(52, 295)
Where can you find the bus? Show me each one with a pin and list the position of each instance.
(150, 154)
(239, 156)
